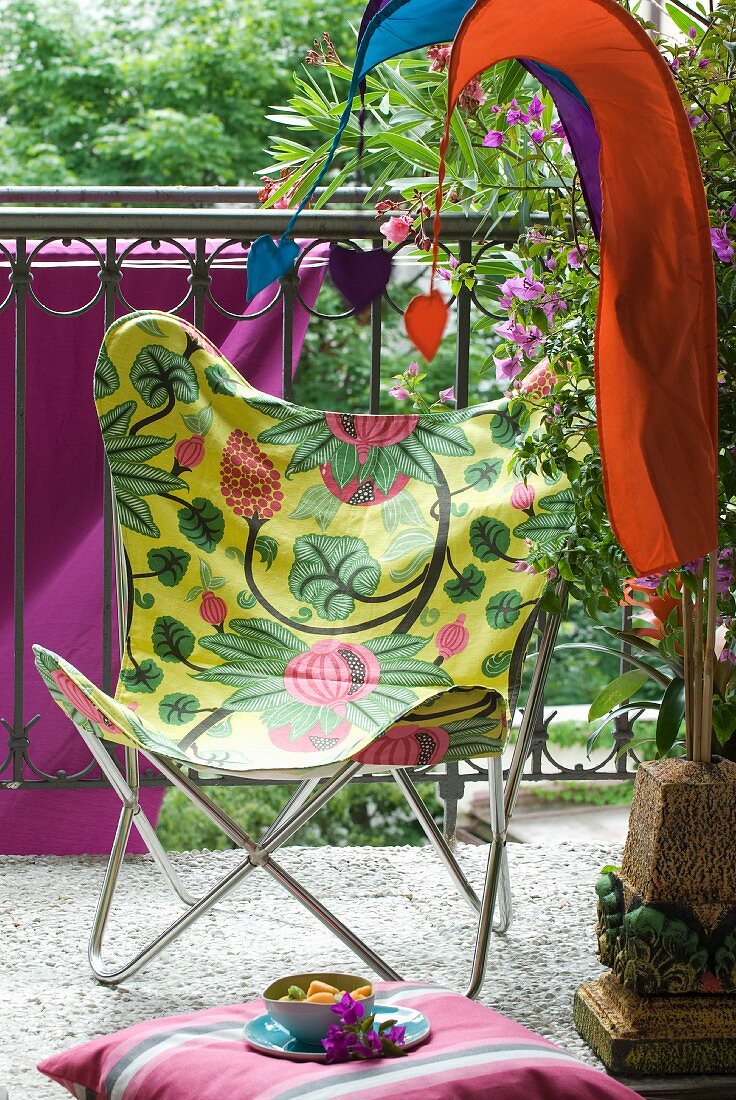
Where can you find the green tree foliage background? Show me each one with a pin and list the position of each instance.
(150, 92)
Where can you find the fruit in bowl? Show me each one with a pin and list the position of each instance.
(302, 1003)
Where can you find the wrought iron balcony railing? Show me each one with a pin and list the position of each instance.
(111, 225)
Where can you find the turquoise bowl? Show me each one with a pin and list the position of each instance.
(310, 1022)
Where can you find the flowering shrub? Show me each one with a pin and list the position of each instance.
(510, 157)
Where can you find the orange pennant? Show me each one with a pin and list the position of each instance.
(425, 320)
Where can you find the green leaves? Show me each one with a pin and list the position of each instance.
(267, 550)
(331, 572)
(442, 438)
(550, 528)
(106, 375)
(489, 538)
(201, 422)
(503, 609)
(317, 503)
(618, 691)
(468, 586)
(171, 639)
(395, 645)
(316, 450)
(414, 547)
(116, 421)
(507, 426)
(144, 677)
(169, 563)
(160, 375)
(402, 508)
(256, 639)
(671, 715)
(202, 523)
(221, 380)
(178, 709)
(483, 475)
(495, 664)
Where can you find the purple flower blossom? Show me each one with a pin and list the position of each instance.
(550, 263)
(348, 1010)
(722, 244)
(536, 107)
(515, 115)
(692, 33)
(538, 136)
(370, 1045)
(553, 305)
(528, 338)
(412, 370)
(447, 397)
(493, 139)
(675, 64)
(507, 367)
(399, 392)
(732, 212)
(703, 63)
(525, 287)
(395, 1034)
(575, 256)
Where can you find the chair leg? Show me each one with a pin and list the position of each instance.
(503, 801)
(504, 899)
(301, 807)
(435, 837)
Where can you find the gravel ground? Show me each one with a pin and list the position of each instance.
(400, 899)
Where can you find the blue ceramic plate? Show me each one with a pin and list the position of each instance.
(266, 1035)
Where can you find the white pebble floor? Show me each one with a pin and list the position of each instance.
(399, 899)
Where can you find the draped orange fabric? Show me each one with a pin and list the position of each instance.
(656, 366)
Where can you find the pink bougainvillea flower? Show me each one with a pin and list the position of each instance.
(703, 63)
(525, 287)
(507, 367)
(493, 139)
(399, 392)
(559, 132)
(412, 370)
(553, 305)
(575, 256)
(515, 115)
(397, 229)
(248, 481)
(447, 397)
(472, 96)
(439, 57)
(536, 107)
(528, 337)
(722, 244)
(538, 136)
(550, 263)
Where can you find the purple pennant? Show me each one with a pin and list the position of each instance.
(361, 277)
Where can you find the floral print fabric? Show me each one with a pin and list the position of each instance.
(305, 587)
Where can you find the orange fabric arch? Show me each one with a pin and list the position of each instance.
(656, 365)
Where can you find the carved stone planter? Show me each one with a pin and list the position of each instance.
(667, 929)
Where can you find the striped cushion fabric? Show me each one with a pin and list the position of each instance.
(472, 1052)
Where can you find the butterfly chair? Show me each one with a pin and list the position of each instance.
(303, 595)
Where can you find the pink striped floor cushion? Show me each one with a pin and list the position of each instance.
(473, 1052)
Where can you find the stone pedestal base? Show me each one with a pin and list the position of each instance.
(635, 1036)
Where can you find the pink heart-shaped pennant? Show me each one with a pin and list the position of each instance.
(361, 277)
(425, 320)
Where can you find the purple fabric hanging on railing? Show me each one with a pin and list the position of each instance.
(63, 535)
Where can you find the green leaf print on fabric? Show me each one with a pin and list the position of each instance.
(495, 664)
(202, 523)
(267, 549)
(483, 475)
(330, 572)
(489, 538)
(466, 587)
(503, 609)
(144, 677)
(107, 379)
(177, 709)
(318, 503)
(549, 528)
(172, 641)
(160, 376)
(168, 564)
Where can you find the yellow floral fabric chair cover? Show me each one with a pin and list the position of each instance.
(306, 587)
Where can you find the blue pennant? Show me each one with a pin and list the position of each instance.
(268, 260)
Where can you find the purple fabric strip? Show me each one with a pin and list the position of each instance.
(64, 547)
(585, 144)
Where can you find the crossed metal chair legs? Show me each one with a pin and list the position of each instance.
(311, 795)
